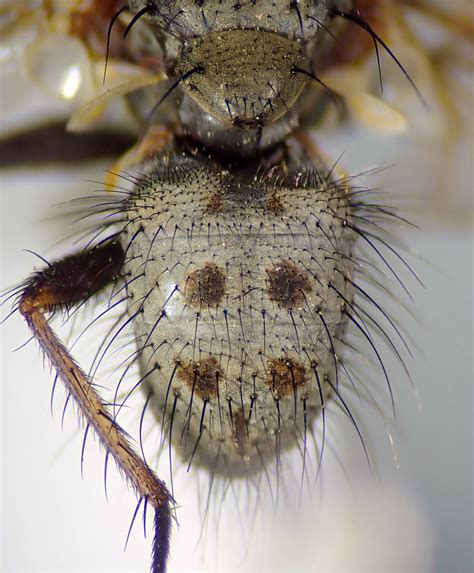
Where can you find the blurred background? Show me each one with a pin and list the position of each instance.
(414, 514)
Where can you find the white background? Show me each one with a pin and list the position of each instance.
(417, 517)
(52, 520)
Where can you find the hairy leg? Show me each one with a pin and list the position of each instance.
(60, 285)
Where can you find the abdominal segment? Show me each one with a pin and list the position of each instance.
(237, 288)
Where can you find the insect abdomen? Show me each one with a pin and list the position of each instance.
(237, 291)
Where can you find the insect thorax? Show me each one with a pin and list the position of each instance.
(237, 291)
(239, 68)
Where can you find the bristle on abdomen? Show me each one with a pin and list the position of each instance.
(237, 292)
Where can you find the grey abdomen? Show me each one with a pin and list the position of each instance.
(237, 292)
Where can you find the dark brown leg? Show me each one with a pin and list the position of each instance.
(62, 284)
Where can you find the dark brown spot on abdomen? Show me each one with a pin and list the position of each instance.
(215, 203)
(202, 377)
(287, 284)
(274, 204)
(284, 376)
(205, 287)
(240, 432)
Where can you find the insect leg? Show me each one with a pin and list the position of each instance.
(60, 285)
(152, 144)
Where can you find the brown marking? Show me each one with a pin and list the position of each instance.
(205, 287)
(203, 377)
(240, 432)
(274, 204)
(60, 285)
(285, 375)
(287, 284)
(69, 280)
(91, 19)
(353, 43)
(215, 202)
(152, 144)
